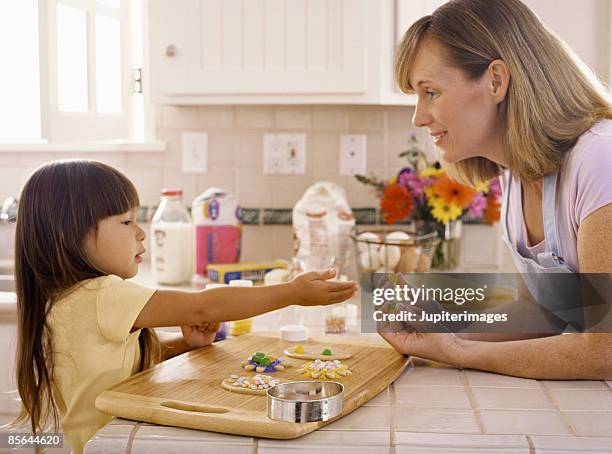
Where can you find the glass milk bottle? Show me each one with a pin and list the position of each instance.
(172, 240)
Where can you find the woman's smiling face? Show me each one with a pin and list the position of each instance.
(461, 114)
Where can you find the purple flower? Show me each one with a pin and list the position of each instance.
(495, 188)
(402, 173)
(478, 205)
(414, 183)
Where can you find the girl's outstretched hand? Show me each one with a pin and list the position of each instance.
(313, 288)
(197, 336)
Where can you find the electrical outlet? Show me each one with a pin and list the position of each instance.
(353, 149)
(194, 147)
(285, 154)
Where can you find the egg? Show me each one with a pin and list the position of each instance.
(424, 263)
(389, 256)
(367, 236)
(368, 252)
(369, 261)
(397, 236)
(409, 260)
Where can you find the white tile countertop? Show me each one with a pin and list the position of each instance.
(430, 408)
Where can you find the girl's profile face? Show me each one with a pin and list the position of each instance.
(116, 247)
(459, 113)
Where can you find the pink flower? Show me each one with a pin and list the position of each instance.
(495, 188)
(415, 183)
(478, 205)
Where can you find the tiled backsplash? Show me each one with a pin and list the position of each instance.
(235, 152)
(235, 159)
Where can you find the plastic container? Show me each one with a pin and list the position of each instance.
(218, 220)
(222, 333)
(335, 319)
(239, 327)
(172, 240)
(276, 276)
(292, 335)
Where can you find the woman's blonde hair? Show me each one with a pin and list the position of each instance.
(552, 98)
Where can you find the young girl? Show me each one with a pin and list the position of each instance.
(82, 326)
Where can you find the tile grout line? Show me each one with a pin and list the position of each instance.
(255, 445)
(472, 399)
(532, 448)
(561, 414)
(131, 436)
(391, 390)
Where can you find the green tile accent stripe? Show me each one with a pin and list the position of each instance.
(364, 215)
(250, 216)
(142, 214)
(284, 216)
(277, 216)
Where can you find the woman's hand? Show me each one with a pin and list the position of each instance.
(441, 347)
(197, 336)
(312, 288)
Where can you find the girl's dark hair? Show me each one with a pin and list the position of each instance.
(60, 204)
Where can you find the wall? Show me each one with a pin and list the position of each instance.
(235, 158)
(585, 26)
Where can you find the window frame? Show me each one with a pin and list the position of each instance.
(90, 126)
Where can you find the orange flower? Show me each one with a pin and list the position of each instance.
(491, 212)
(452, 192)
(396, 203)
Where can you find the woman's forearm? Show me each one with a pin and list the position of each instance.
(501, 337)
(570, 356)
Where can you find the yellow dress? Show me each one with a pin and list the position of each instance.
(93, 348)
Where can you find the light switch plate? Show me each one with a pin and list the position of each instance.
(353, 154)
(194, 149)
(284, 154)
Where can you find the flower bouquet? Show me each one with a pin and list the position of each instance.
(423, 194)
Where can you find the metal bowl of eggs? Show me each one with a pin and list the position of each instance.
(392, 249)
(305, 401)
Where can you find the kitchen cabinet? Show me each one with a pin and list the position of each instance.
(277, 51)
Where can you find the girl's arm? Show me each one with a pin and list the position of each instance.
(176, 308)
(191, 337)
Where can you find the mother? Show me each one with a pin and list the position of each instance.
(503, 96)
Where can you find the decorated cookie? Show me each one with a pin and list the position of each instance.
(256, 385)
(260, 362)
(323, 370)
(326, 353)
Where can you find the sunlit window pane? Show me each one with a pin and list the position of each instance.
(71, 59)
(19, 76)
(108, 64)
(137, 36)
(111, 3)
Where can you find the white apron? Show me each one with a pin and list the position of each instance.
(561, 300)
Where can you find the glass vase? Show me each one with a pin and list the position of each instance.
(448, 253)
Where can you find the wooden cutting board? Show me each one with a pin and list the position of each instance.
(186, 391)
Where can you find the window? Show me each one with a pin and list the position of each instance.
(69, 73)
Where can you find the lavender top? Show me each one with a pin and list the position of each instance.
(584, 185)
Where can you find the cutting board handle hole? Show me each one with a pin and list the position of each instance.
(193, 408)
